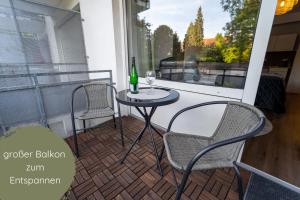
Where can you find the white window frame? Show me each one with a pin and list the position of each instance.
(248, 94)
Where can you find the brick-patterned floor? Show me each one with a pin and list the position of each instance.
(101, 176)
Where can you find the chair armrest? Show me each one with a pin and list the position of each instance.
(268, 176)
(193, 107)
(113, 87)
(72, 99)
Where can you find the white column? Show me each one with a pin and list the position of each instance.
(260, 44)
(99, 37)
(103, 28)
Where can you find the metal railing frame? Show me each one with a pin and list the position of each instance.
(37, 86)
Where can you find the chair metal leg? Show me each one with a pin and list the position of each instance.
(182, 184)
(84, 126)
(174, 177)
(137, 139)
(240, 181)
(75, 137)
(162, 152)
(121, 130)
(114, 118)
(76, 143)
(120, 125)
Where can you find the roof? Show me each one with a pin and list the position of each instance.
(209, 41)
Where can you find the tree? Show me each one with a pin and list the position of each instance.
(220, 41)
(162, 43)
(194, 35)
(231, 6)
(240, 30)
(231, 55)
(144, 45)
(177, 51)
(198, 25)
(215, 53)
(188, 38)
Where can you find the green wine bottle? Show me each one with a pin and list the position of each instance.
(134, 78)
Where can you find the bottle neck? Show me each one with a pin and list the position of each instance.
(133, 67)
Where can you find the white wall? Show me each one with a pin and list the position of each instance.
(104, 41)
(99, 37)
(103, 27)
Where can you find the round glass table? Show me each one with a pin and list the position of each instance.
(124, 97)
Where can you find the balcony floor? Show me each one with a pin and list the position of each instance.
(100, 176)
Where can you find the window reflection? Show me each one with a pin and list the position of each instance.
(194, 41)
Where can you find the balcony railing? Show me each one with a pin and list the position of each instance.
(36, 97)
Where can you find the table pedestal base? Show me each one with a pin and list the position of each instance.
(147, 116)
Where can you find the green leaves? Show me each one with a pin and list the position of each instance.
(194, 36)
(240, 30)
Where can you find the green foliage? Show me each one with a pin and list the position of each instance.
(236, 45)
(240, 30)
(220, 42)
(215, 53)
(177, 51)
(231, 6)
(231, 54)
(194, 35)
(198, 26)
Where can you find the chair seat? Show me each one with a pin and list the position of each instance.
(96, 113)
(261, 188)
(181, 148)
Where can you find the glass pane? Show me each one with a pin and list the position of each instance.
(37, 38)
(193, 41)
(10, 43)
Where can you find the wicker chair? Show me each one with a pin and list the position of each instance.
(99, 104)
(240, 122)
(264, 186)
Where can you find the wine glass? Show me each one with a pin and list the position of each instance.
(150, 78)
